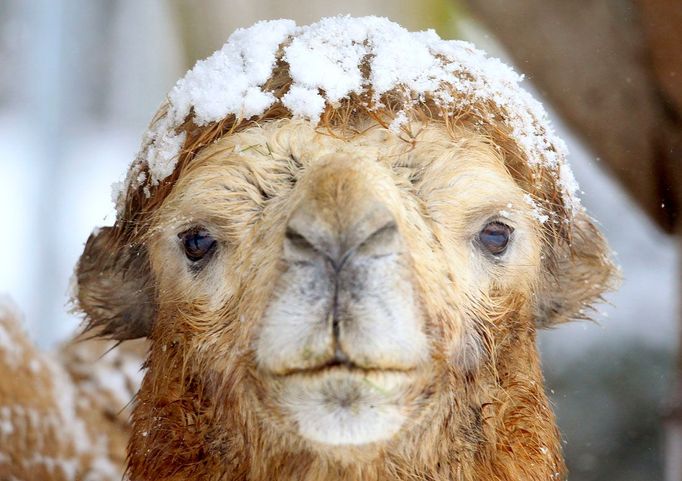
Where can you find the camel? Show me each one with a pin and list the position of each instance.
(64, 415)
(340, 241)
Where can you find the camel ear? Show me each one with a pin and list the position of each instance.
(576, 276)
(115, 287)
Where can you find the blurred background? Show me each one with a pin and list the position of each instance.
(80, 79)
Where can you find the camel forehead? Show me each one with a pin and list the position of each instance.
(279, 153)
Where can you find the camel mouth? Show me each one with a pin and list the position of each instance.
(341, 364)
(343, 367)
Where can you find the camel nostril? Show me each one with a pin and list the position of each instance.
(298, 240)
(340, 228)
(382, 242)
(383, 234)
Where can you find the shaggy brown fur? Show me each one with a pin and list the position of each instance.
(64, 416)
(205, 410)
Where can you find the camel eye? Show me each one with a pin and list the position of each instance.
(197, 243)
(495, 237)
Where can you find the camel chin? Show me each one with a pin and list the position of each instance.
(340, 407)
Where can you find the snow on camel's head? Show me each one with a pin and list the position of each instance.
(340, 239)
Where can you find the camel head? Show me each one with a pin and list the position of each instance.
(347, 289)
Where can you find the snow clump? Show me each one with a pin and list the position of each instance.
(325, 62)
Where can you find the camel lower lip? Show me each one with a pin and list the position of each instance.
(339, 405)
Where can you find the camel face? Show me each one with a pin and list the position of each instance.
(380, 266)
(344, 304)
(341, 264)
